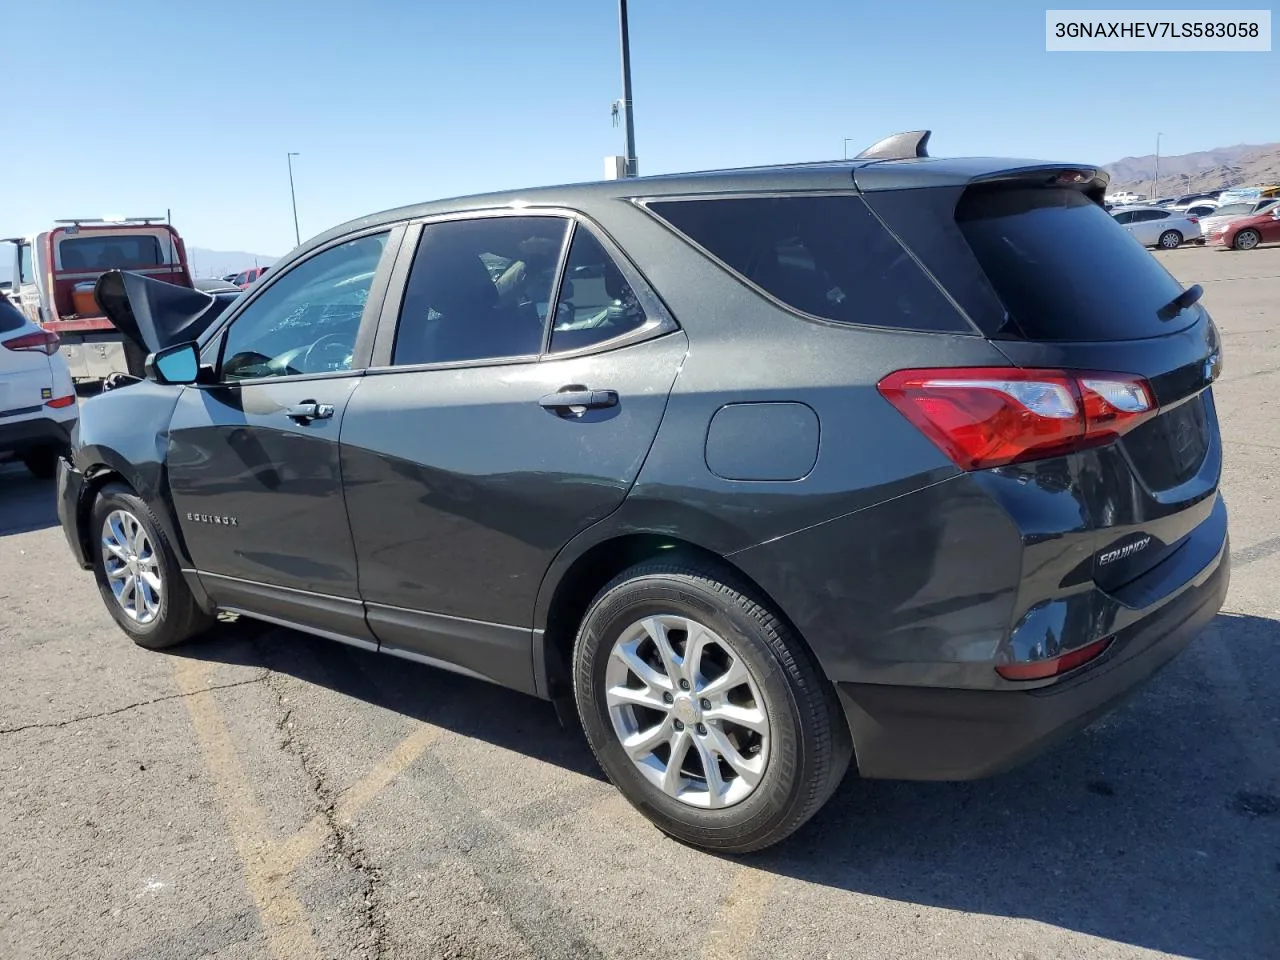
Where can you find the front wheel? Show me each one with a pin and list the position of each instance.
(1246, 240)
(704, 709)
(1170, 240)
(138, 574)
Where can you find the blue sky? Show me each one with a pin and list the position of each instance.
(134, 106)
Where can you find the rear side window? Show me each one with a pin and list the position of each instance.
(1062, 268)
(479, 290)
(596, 303)
(825, 256)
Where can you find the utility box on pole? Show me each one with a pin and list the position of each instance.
(615, 168)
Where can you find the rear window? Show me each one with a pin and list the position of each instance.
(1062, 267)
(825, 256)
(11, 317)
(1234, 210)
(110, 252)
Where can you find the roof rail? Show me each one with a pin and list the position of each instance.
(899, 146)
(121, 220)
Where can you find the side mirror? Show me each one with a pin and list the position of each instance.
(179, 363)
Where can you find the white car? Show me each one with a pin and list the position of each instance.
(1157, 227)
(1234, 211)
(37, 396)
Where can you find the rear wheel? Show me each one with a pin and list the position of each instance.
(1246, 240)
(138, 574)
(704, 709)
(41, 462)
(1170, 240)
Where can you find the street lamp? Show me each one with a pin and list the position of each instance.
(1157, 171)
(297, 237)
(630, 150)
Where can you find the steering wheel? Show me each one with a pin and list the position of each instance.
(327, 344)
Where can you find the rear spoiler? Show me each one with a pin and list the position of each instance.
(154, 314)
(906, 173)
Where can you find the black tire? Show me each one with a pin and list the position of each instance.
(178, 617)
(810, 746)
(1170, 240)
(1250, 237)
(41, 462)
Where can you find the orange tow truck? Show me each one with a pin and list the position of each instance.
(55, 271)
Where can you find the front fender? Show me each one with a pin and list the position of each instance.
(123, 434)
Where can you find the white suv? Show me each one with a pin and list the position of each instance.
(37, 397)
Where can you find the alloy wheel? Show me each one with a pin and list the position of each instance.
(1246, 240)
(687, 711)
(132, 566)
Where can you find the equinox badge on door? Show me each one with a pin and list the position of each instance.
(206, 518)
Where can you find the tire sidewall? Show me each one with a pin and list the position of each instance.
(156, 633)
(652, 594)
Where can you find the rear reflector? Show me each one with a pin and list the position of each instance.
(984, 417)
(1039, 669)
(42, 341)
(60, 402)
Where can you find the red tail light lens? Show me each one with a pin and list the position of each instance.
(59, 402)
(42, 341)
(1039, 669)
(985, 417)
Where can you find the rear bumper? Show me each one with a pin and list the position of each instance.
(923, 733)
(70, 490)
(18, 435)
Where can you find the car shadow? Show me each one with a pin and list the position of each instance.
(26, 503)
(1157, 827)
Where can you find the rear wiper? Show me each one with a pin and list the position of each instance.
(1179, 303)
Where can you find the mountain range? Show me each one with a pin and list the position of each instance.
(1241, 165)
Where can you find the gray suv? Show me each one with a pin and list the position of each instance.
(903, 461)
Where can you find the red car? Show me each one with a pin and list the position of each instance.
(245, 277)
(1247, 232)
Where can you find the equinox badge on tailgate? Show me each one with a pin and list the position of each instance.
(1128, 550)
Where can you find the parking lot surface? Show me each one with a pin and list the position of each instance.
(266, 794)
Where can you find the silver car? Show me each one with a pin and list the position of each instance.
(1158, 227)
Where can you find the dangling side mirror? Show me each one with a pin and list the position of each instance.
(179, 363)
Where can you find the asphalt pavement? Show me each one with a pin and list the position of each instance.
(266, 794)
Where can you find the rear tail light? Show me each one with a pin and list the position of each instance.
(42, 341)
(1052, 667)
(984, 417)
(59, 402)
(1194, 219)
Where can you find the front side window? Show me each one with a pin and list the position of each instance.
(479, 290)
(307, 321)
(596, 303)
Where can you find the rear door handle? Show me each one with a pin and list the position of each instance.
(580, 397)
(309, 410)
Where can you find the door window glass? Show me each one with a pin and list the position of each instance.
(479, 289)
(596, 303)
(25, 272)
(307, 321)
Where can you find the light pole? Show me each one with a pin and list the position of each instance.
(1157, 172)
(846, 147)
(297, 237)
(630, 150)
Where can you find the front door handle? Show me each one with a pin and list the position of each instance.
(580, 397)
(309, 410)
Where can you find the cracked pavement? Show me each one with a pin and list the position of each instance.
(263, 794)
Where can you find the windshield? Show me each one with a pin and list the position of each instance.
(1063, 269)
